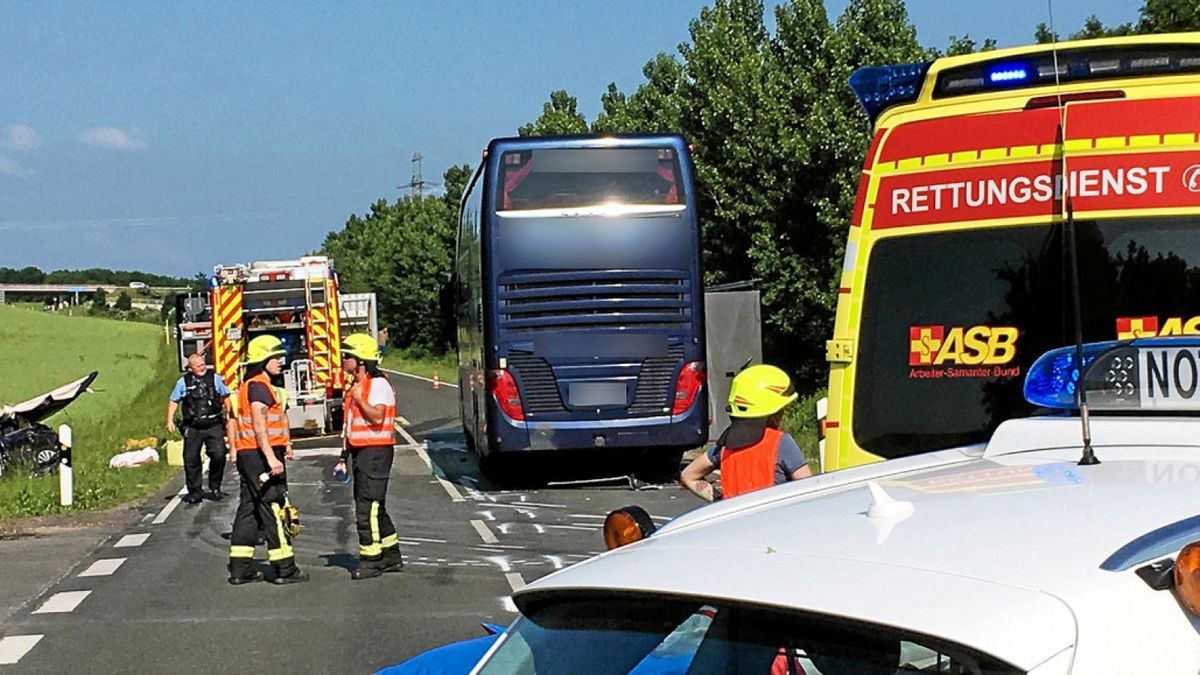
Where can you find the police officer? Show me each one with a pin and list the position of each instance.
(205, 401)
(370, 418)
(261, 442)
(753, 452)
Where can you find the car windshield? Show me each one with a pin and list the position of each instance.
(619, 636)
(952, 321)
(582, 177)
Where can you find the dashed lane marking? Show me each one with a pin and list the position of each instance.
(102, 568)
(484, 533)
(515, 580)
(132, 540)
(61, 603)
(13, 647)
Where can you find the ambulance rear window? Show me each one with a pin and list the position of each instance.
(951, 322)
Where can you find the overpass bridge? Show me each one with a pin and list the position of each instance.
(74, 290)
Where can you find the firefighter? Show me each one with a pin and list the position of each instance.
(261, 443)
(205, 401)
(752, 452)
(370, 418)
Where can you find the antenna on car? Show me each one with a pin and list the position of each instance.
(1088, 457)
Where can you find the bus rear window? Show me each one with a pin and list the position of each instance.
(556, 178)
(952, 321)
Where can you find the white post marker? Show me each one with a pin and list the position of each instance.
(66, 481)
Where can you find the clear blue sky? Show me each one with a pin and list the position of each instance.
(167, 137)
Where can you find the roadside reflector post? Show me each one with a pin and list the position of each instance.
(66, 481)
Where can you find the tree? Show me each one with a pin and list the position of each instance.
(456, 179)
(124, 303)
(1169, 16)
(560, 115)
(965, 45)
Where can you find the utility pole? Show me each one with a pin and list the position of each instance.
(417, 184)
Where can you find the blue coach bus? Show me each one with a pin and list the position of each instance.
(579, 301)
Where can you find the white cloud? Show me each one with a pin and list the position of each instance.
(11, 168)
(20, 137)
(112, 138)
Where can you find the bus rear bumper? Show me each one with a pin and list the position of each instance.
(689, 430)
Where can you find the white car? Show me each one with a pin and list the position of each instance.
(1005, 558)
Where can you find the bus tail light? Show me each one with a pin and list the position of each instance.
(687, 386)
(502, 385)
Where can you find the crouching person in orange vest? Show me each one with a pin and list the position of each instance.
(370, 421)
(261, 443)
(752, 453)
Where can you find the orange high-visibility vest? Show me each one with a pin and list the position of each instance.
(361, 432)
(277, 423)
(752, 467)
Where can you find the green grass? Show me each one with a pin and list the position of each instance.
(41, 351)
(423, 363)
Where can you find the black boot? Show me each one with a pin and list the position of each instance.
(392, 560)
(241, 571)
(288, 573)
(368, 568)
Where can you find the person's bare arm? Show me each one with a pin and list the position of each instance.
(372, 413)
(172, 406)
(802, 472)
(694, 474)
(258, 413)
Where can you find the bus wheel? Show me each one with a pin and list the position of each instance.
(659, 466)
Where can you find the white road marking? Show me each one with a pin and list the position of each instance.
(166, 511)
(13, 647)
(305, 453)
(455, 495)
(61, 603)
(102, 568)
(427, 541)
(548, 506)
(132, 540)
(515, 580)
(484, 533)
(555, 560)
(418, 377)
(584, 528)
(507, 603)
(501, 561)
(408, 439)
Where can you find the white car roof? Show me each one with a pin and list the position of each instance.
(1002, 550)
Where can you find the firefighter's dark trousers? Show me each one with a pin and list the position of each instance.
(377, 541)
(212, 438)
(259, 506)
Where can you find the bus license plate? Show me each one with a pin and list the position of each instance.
(584, 394)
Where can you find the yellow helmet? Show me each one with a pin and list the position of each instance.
(361, 346)
(264, 347)
(760, 391)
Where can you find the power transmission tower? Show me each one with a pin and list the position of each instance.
(417, 184)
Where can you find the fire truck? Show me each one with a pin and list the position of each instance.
(294, 300)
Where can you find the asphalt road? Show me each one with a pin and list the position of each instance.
(152, 597)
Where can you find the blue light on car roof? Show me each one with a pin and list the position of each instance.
(1053, 379)
(880, 87)
(1008, 74)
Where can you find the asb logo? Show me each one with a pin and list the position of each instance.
(1191, 178)
(1129, 328)
(965, 345)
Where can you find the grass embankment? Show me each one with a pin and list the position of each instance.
(423, 363)
(800, 420)
(39, 352)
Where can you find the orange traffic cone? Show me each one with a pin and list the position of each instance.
(437, 381)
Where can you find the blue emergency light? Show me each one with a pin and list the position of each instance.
(880, 87)
(1158, 373)
(1007, 73)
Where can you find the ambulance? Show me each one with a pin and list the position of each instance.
(955, 275)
